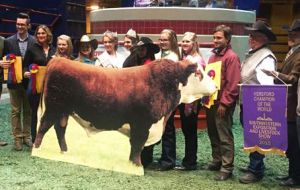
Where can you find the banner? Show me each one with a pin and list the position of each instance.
(264, 115)
(213, 70)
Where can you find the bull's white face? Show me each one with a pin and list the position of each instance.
(197, 88)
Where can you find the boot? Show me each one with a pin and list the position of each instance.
(18, 144)
(27, 141)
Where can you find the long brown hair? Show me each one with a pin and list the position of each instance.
(172, 37)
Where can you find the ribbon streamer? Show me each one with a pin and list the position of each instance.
(32, 88)
(12, 79)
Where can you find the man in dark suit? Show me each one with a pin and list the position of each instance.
(290, 74)
(18, 44)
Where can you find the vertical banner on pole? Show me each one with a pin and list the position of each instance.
(264, 115)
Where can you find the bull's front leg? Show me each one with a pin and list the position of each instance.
(44, 127)
(138, 137)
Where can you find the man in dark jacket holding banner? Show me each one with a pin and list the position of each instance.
(259, 57)
(290, 74)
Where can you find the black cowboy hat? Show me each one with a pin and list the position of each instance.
(295, 26)
(263, 27)
(148, 43)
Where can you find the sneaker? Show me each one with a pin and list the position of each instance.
(185, 168)
(165, 167)
(249, 177)
(282, 178)
(3, 143)
(290, 183)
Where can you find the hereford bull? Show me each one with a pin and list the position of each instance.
(109, 98)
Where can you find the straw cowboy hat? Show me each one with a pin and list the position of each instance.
(85, 40)
(262, 27)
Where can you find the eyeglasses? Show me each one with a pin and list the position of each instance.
(41, 33)
(108, 42)
(21, 24)
(163, 40)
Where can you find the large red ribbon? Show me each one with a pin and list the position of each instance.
(34, 68)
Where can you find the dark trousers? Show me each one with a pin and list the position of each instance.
(221, 137)
(293, 151)
(256, 165)
(189, 129)
(147, 155)
(168, 156)
(34, 104)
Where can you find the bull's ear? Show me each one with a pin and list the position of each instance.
(191, 68)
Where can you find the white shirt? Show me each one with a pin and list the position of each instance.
(268, 64)
(106, 60)
(171, 55)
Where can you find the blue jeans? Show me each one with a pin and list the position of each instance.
(256, 165)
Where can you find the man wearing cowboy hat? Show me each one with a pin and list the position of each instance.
(259, 57)
(290, 74)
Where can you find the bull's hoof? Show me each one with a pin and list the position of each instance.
(37, 143)
(137, 162)
(64, 149)
(63, 152)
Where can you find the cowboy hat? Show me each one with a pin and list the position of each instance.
(262, 27)
(148, 43)
(295, 26)
(85, 41)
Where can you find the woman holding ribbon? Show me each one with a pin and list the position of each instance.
(36, 56)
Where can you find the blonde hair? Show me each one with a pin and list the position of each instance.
(191, 36)
(69, 42)
(113, 36)
(48, 32)
(172, 37)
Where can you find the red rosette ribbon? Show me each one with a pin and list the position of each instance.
(211, 74)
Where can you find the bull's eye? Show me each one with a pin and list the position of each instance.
(198, 74)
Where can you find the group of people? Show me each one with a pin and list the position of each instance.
(259, 67)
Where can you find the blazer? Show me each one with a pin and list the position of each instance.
(11, 46)
(290, 74)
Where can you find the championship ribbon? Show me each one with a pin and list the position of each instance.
(34, 69)
(11, 79)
